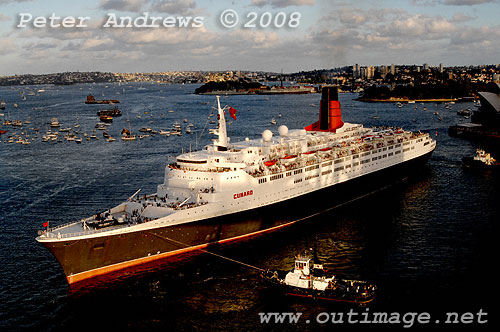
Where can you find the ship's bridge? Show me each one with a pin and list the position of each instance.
(211, 161)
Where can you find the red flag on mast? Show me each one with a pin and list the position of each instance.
(46, 224)
(233, 112)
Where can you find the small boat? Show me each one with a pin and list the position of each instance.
(106, 118)
(54, 123)
(482, 159)
(128, 138)
(101, 126)
(273, 121)
(310, 280)
(464, 112)
(165, 133)
(110, 112)
(17, 123)
(145, 130)
(177, 126)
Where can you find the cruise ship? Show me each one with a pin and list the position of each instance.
(230, 191)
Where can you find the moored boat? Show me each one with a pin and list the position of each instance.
(54, 123)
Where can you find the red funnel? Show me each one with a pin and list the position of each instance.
(330, 114)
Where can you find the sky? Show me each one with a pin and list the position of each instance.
(270, 35)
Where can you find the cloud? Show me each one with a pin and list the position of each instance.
(181, 7)
(282, 3)
(4, 18)
(452, 2)
(4, 2)
(123, 5)
(8, 46)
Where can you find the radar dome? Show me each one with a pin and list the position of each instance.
(267, 135)
(283, 130)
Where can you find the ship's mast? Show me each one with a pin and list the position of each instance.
(221, 142)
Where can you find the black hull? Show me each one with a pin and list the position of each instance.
(82, 259)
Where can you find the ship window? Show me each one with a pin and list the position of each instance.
(192, 161)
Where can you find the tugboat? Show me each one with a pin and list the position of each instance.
(482, 159)
(317, 283)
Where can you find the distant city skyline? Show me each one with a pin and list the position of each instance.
(328, 34)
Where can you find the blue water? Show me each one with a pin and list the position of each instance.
(428, 243)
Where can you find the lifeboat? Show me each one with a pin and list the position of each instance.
(270, 163)
(289, 158)
(310, 152)
(325, 149)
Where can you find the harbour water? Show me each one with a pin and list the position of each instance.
(429, 243)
